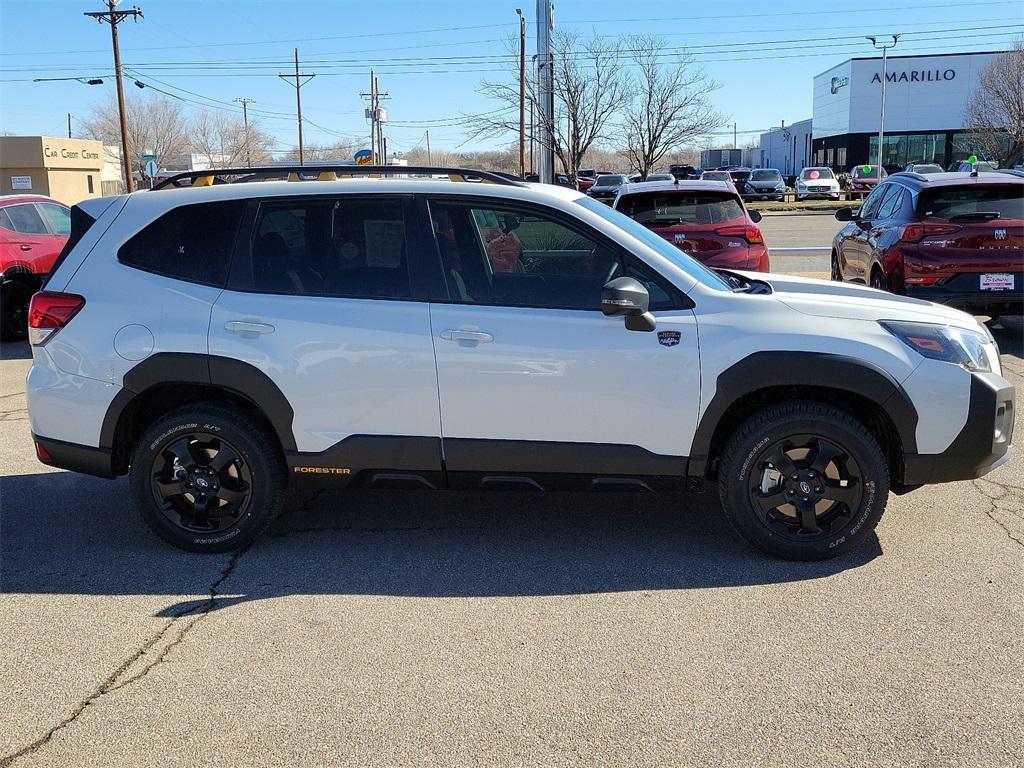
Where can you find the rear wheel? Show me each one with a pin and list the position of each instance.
(14, 298)
(804, 481)
(205, 478)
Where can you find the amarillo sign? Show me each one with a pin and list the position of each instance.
(915, 76)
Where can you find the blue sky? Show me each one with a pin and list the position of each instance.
(764, 54)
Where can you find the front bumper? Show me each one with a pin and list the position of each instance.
(984, 443)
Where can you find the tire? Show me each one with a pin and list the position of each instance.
(800, 198)
(14, 298)
(758, 468)
(205, 454)
(837, 272)
(879, 280)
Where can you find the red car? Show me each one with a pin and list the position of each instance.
(950, 238)
(33, 230)
(863, 178)
(706, 219)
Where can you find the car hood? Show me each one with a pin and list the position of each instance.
(816, 182)
(826, 298)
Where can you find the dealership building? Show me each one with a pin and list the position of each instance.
(926, 101)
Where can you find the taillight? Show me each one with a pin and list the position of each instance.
(748, 232)
(915, 233)
(49, 312)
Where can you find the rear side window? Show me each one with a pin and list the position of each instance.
(890, 204)
(191, 243)
(79, 222)
(26, 219)
(347, 248)
(1006, 200)
(681, 208)
(58, 216)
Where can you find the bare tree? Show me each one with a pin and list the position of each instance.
(154, 123)
(669, 104)
(995, 112)
(587, 90)
(318, 153)
(222, 141)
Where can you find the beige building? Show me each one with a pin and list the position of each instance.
(65, 169)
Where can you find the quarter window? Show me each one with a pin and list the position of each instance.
(330, 247)
(191, 243)
(507, 257)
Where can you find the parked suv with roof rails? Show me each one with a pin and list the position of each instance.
(220, 344)
(951, 238)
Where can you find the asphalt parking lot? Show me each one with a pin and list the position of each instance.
(375, 628)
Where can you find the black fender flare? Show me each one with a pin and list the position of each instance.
(764, 370)
(235, 376)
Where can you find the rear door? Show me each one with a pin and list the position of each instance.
(323, 299)
(536, 384)
(27, 240)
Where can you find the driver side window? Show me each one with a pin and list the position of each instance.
(519, 258)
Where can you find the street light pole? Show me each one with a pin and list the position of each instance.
(881, 117)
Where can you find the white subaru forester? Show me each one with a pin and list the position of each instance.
(221, 342)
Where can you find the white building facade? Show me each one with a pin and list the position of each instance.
(786, 148)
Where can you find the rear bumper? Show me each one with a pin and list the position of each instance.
(75, 458)
(962, 292)
(984, 443)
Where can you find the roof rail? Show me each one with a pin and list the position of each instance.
(911, 174)
(329, 173)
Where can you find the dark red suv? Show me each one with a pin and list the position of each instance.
(952, 238)
(33, 229)
(706, 219)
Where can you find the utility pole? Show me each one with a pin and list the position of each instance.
(522, 92)
(114, 17)
(546, 92)
(245, 119)
(69, 125)
(376, 116)
(735, 143)
(881, 116)
(428, 146)
(299, 82)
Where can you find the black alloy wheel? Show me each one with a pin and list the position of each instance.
(15, 300)
(837, 273)
(201, 483)
(805, 486)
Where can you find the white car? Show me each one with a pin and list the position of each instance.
(818, 183)
(220, 344)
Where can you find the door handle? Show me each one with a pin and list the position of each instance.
(26, 247)
(478, 336)
(242, 326)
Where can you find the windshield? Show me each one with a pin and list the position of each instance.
(816, 173)
(716, 176)
(610, 181)
(681, 207)
(656, 243)
(766, 175)
(660, 177)
(927, 168)
(944, 203)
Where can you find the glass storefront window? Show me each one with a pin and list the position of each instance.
(900, 149)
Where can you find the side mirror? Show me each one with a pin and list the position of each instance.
(846, 214)
(755, 216)
(627, 297)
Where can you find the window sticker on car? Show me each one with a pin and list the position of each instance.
(997, 282)
(384, 240)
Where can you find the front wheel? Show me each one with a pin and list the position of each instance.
(206, 479)
(803, 480)
(837, 272)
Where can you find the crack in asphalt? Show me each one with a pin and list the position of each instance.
(113, 681)
(993, 505)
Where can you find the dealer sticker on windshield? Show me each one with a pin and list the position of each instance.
(997, 282)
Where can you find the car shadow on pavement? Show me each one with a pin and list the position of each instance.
(15, 350)
(62, 533)
(1009, 335)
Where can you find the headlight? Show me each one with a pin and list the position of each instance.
(942, 342)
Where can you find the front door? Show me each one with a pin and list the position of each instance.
(320, 300)
(536, 384)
